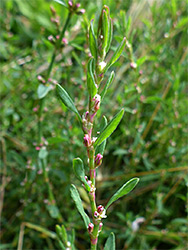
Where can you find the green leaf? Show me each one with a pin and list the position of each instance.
(91, 85)
(109, 129)
(92, 41)
(125, 189)
(43, 230)
(116, 54)
(66, 99)
(110, 243)
(72, 240)
(76, 197)
(61, 231)
(61, 2)
(79, 171)
(43, 153)
(43, 90)
(100, 149)
(110, 35)
(61, 245)
(105, 31)
(109, 81)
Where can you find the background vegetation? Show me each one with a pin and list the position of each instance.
(150, 142)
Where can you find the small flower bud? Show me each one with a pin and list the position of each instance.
(70, 3)
(40, 79)
(35, 109)
(87, 140)
(100, 209)
(133, 65)
(98, 160)
(90, 228)
(81, 12)
(96, 214)
(64, 40)
(78, 5)
(51, 39)
(96, 100)
(86, 115)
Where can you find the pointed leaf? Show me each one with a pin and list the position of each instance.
(125, 189)
(79, 171)
(61, 2)
(92, 41)
(116, 54)
(109, 128)
(61, 231)
(66, 99)
(76, 197)
(110, 79)
(91, 85)
(110, 243)
(100, 149)
(110, 35)
(43, 90)
(105, 31)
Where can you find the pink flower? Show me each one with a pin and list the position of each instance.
(35, 109)
(100, 209)
(90, 227)
(133, 65)
(64, 40)
(87, 140)
(98, 160)
(82, 11)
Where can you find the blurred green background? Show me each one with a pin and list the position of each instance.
(150, 142)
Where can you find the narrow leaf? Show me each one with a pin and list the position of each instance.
(91, 85)
(66, 99)
(105, 31)
(110, 243)
(61, 232)
(92, 41)
(79, 171)
(64, 233)
(61, 2)
(100, 149)
(61, 245)
(109, 128)
(76, 197)
(43, 230)
(109, 81)
(125, 189)
(116, 54)
(110, 35)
